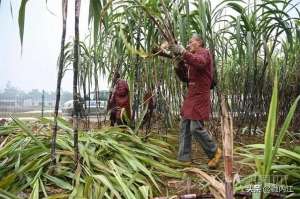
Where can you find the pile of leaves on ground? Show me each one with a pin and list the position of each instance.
(115, 163)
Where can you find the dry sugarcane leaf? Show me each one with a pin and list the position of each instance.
(216, 188)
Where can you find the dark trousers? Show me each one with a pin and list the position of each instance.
(194, 128)
(113, 119)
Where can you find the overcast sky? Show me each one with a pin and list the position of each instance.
(37, 66)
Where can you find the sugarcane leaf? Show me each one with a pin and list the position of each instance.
(88, 187)
(137, 165)
(270, 128)
(144, 191)
(21, 19)
(282, 167)
(7, 195)
(131, 49)
(285, 125)
(140, 120)
(35, 191)
(37, 176)
(28, 132)
(43, 188)
(103, 179)
(121, 182)
(59, 182)
(56, 196)
(7, 180)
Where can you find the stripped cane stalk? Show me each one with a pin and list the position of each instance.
(227, 139)
(75, 82)
(96, 91)
(136, 103)
(227, 132)
(59, 78)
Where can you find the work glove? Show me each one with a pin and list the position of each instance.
(177, 49)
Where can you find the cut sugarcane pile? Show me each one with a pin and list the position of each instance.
(115, 163)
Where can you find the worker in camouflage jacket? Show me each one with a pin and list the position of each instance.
(119, 101)
(195, 68)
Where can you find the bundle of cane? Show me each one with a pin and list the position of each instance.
(164, 25)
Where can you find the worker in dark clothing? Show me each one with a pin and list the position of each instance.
(195, 68)
(80, 108)
(119, 101)
(149, 103)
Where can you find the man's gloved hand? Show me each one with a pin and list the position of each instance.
(177, 49)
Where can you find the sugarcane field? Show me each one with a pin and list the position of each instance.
(150, 99)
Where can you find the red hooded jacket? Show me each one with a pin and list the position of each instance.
(198, 70)
(120, 98)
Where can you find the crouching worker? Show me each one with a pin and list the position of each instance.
(149, 103)
(195, 68)
(119, 101)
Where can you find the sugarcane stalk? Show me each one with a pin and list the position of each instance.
(59, 78)
(84, 88)
(137, 81)
(75, 83)
(227, 138)
(89, 102)
(226, 130)
(96, 87)
(97, 90)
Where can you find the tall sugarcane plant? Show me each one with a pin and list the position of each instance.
(59, 77)
(76, 97)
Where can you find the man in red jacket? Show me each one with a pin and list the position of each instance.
(195, 68)
(119, 103)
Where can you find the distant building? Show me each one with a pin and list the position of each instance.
(49, 103)
(25, 104)
(31, 102)
(8, 103)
